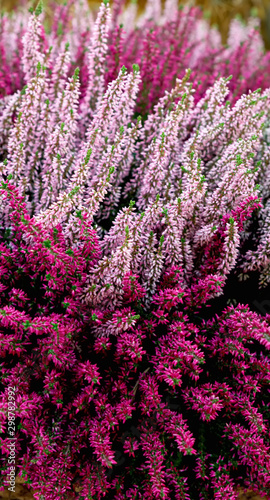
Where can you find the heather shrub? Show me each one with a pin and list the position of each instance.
(136, 376)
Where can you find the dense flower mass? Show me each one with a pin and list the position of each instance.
(131, 157)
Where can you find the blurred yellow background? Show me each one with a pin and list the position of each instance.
(219, 12)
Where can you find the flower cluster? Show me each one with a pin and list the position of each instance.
(119, 234)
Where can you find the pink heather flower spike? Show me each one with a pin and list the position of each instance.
(231, 247)
(161, 149)
(211, 104)
(34, 46)
(67, 201)
(12, 103)
(59, 74)
(155, 121)
(106, 280)
(23, 141)
(96, 58)
(116, 235)
(60, 144)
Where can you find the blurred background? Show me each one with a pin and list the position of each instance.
(218, 12)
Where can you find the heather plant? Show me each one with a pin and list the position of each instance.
(119, 235)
